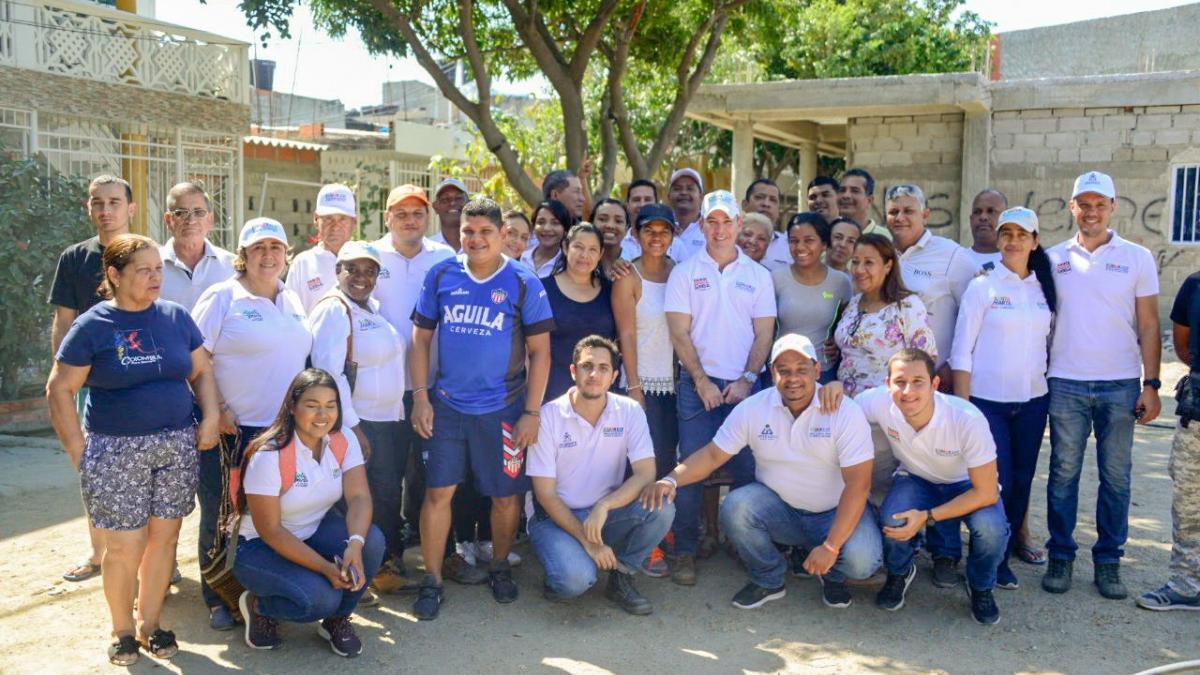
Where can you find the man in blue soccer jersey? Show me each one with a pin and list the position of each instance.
(489, 313)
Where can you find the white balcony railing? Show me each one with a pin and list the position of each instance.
(83, 40)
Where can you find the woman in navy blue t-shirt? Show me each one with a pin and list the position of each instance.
(580, 297)
(144, 364)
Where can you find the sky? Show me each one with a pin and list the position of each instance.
(311, 63)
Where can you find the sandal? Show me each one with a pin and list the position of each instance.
(124, 651)
(83, 571)
(1031, 554)
(162, 644)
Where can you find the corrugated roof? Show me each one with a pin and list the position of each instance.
(283, 143)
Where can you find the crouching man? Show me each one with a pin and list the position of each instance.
(812, 478)
(947, 472)
(586, 516)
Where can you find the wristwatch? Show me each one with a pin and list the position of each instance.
(930, 521)
(1152, 382)
(750, 377)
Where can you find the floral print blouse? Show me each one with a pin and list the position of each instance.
(868, 340)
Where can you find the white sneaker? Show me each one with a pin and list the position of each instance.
(484, 552)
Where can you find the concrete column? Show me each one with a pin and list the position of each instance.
(976, 166)
(743, 158)
(808, 170)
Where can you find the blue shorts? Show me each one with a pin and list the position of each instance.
(485, 441)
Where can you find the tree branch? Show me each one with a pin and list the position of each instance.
(618, 58)
(483, 80)
(586, 45)
(784, 162)
(608, 145)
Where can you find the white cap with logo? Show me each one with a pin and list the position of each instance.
(793, 342)
(358, 250)
(1021, 216)
(335, 199)
(258, 229)
(1094, 181)
(720, 200)
(690, 173)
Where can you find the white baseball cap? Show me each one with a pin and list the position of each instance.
(335, 199)
(1019, 215)
(258, 229)
(1094, 181)
(792, 342)
(358, 250)
(720, 200)
(690, 173)
(451, 182)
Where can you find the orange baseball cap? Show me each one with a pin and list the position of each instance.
(399, 194)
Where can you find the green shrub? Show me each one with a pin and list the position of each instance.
(41, 213)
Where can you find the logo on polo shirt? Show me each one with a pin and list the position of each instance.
(1002, 302)
(701, 284)
(1119, 269)
(1041, 304)
(767, 434)
(893, 434)
(301, 480)
(252, 314)
(298, 317)
(384, 273)
(743, 286)
(947, 452)
(472, 319)
(460, 291)
(826, 295)
(315, 283)
(988, 266)
(1063, 267)
(612, 432)
(920, 273)
(498, 296)
(567, 441)
(820, 432)
(366, 323)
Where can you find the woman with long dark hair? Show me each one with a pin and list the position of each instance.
(999, 360)
(299, 559)
(551, 220)
(580, 297)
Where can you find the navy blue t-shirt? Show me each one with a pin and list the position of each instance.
(140, 362)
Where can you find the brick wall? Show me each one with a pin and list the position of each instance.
(921, 149)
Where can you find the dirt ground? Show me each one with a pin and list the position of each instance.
(50, 625)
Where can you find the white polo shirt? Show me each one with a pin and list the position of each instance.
(1002, 335)
(722, 304)
(691, 241)
(379, 352)
(778, 254)
(800, 458)
(985, 261)
(956, 439)
(399, 285)
(312, 274)
(317, 488)
(257, 347)
(938, 271)
(545, 269)
(440, 238)
(1095, 334)
(588, 462)
(183, 285)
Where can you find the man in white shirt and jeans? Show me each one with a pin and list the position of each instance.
(812, 478)
(1106, 339)
(191, 263)
(720, 308)
(947, 473)
(585, 513)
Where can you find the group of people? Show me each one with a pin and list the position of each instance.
(591, 375)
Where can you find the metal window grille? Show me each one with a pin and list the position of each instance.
(1185, 204)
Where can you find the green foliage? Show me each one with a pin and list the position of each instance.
(40, 215)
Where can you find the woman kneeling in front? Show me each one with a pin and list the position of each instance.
(298, 557)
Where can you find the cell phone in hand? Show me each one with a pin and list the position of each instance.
(337, 560)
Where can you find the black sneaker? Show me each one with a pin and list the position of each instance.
(1006, 579)
(945, 573)
(504, 589)
(983, 607)
(1057, 578)
(753, 596)
(1108, 581)
(261, 632)
(338, 632)
(797, 557)
(429, 599)
(621, 590)
(891, 596)
(835, 594)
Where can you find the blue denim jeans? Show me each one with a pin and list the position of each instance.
(755, 518)
(988, 527)
(1017, 429)
(208, 493)
(630, 531)
(663, 420)
(290, 592)
(385, 476)
(1076, 408)
(697, 427)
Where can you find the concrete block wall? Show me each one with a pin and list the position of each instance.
(921, 149)
(291, 205)
(1037, 154)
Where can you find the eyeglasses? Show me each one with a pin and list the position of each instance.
(451, 201)
(185, 214)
